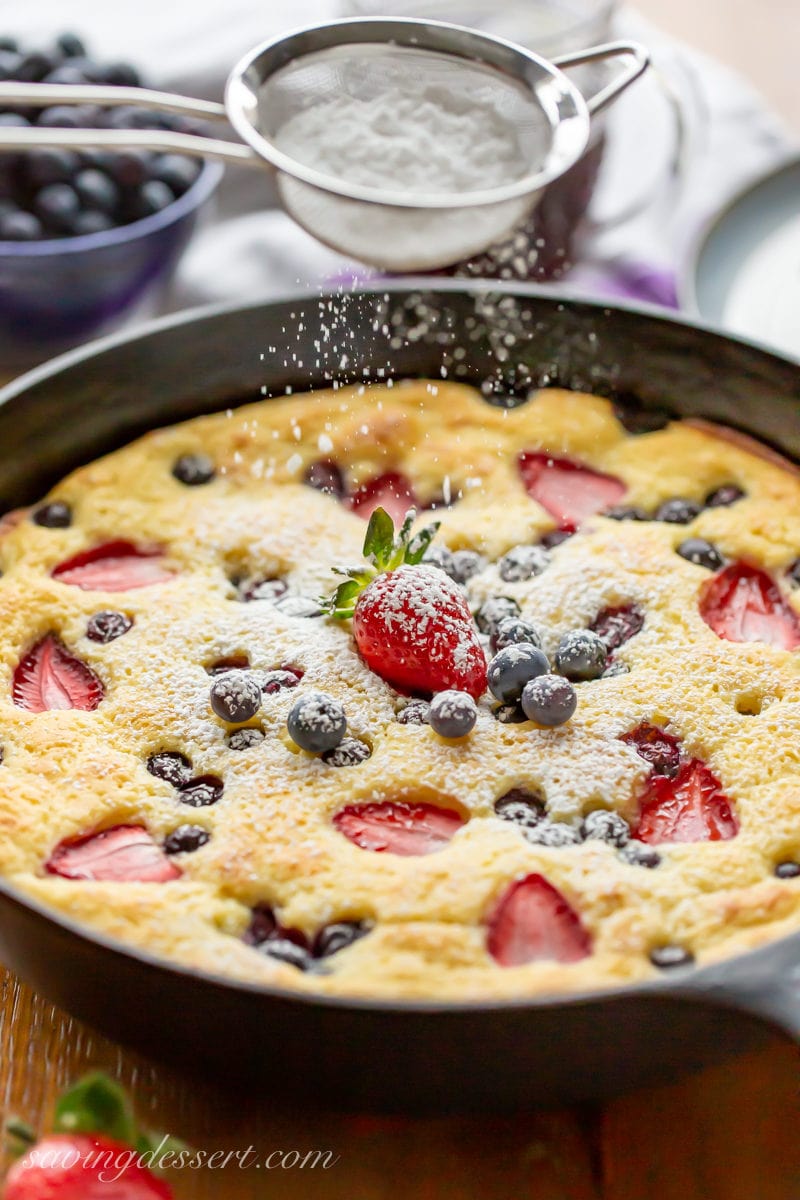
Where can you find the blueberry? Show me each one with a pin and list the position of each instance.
(492, 612)
(185, 839)
(20, 226)
(615, 668)
(235, 697)
(262, 925)
(62, 116)
(56, 205)
(521, 806)
(721, 497)
(71, 46)
(151, 197)
(439, 556)
(787, 870)
(465, 564)
(555, 537)
(121, 74)
(90, 221)
(326, 477)
(193, 469)
(618, 625)
(581, 655)
(13, 120)
(9, 44)
(50, 166)
(549, 700)
(622, 512)
(128, 168)
(244, 739)
(512, 668)
(678, 511)
(298, 606)
(176, 170)
(106, 626)
(701, 553)
(553, 834)
(287, 951)
(639, 855)
(202, 791)
(337, 936)
(414, 713)
(606, 827)
(668, 957)
(452, 714)
(262, 589)
(96, 190)
(522, 562)
(509, 714)
(793, 572)
(512, 630)
(349, 753)
(275, 681)
(69, 72)
(55, 515)
(170, 766)
(34, 66)
(316, 722)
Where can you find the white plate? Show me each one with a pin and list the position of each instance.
(744, 271)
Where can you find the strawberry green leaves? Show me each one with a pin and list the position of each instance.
(384, 551)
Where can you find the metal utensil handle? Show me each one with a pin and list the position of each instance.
(43, 95)
(162, 142)
(641, 61)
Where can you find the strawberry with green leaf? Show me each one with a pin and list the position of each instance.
(411, 622)
(96, 1151)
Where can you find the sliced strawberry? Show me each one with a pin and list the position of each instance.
(414, 628)
(661, 750)
(743, 604)
(391, 491)
(114, 567)
(568, 490)
(533, 922)
(398, 827)
(50, 677)
(124, 854)
(689, 808)
(83, 1166)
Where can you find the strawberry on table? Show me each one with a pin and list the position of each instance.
(96, 1152)
(411, 623)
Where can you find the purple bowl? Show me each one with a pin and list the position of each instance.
(57, 293)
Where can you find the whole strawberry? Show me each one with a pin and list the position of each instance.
(411, 622)
(82, 1167)
(96, 1152)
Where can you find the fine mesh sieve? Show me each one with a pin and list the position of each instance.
(406, 144)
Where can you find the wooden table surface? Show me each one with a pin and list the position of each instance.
(731, 1133)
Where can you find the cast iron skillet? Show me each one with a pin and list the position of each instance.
(415, 1057)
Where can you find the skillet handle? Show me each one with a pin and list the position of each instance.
(764, 984)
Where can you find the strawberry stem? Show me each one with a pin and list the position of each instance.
(386, 552)
(19, 1136)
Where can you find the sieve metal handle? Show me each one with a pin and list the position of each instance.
(634, 50)
(43, 95)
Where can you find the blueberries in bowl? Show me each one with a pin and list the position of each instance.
(48, 194)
